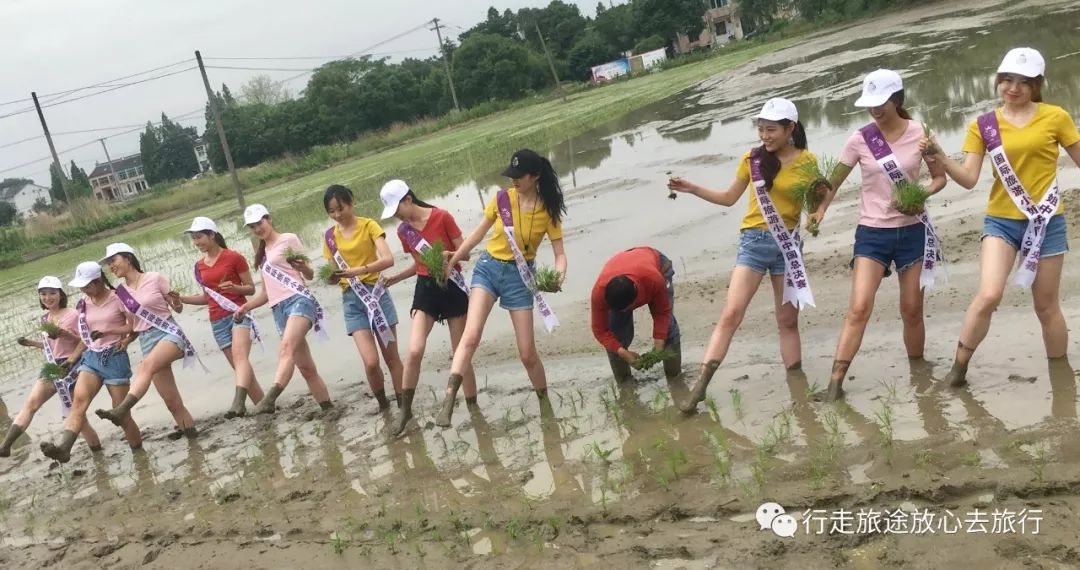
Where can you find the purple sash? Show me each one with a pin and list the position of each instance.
(84, 329)
(933, 258)
(416, 241)
(298, 288)
(506, 214)
(796, 281)
(63, 385)
(369, 298)
(1038, 215)
(165, 325)
(229, 306)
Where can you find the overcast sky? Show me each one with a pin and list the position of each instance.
(51, 46)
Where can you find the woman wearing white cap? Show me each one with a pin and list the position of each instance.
(225, 279)
(145, 295)
(424, 226)
(105, 330)
(1024, 216)
(769, 242)
(60, 341)
(295, 308)
(357, 250)
(887, 153)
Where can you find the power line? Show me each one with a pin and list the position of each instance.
(311, 57)
(14, 143)
(121, 86)
(305, 70)
(110, 81)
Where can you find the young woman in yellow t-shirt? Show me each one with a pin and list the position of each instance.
(1030, 132)
(537, 206)
(362, 243)
(783, 155)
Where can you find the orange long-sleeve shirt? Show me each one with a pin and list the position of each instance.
(642, 266)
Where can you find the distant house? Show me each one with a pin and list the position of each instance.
(202, 155)
(24, 197)
(722, 25)
(129, 181)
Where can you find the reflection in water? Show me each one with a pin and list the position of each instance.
(929, 401)
(1062, 388)
(801, 408)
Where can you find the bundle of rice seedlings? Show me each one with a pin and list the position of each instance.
(325, 273)
(812, 192)
(932, 148)
(50, 328)
(547, 280)
(671, 193)
(909, 198)
(292, 255)
(652, 358)
(52, 371)
(433, 259)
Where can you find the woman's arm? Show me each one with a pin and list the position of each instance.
(402, 275)
(836, 179)
(966, 174)
(384, 260)
(937, 176)
(470, 242)
(246, 287)
(722, 197)
(30, 343)
(560, 259)
(199, 299)
(1073, 151)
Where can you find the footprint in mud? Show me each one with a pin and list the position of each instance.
(1019, 378)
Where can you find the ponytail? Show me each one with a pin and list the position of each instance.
(770, 164)
(134, 261)
(898, 99)
(551, 192)
(416, 199)
(260, 253)
(218, 238)
(105, 281)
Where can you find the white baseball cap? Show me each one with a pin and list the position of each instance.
(202, 224)
(86, 272)
(254, 213)
(391, 195)
(115, 248)
(1023, 61)
(50, 282)
(878, 86)
(778, 109)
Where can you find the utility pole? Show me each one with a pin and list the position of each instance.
(446, 62)
(551, 64)
(112, 172)
(52, 148)
(212, 101)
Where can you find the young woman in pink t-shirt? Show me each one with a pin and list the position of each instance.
(296, 311)
(885, 237)
(66, 349)
(160, 348)
(105, 332)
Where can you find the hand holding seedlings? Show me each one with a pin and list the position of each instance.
(95, 335)
(329, 274)
(227, 286)
(23, 341)
(652, 358)
(548, 280)
(929, 146)
(51, 329)
(52, 371)
(435, 260)
(812, 193)
(909, 198)
(294, 258)
(671, 192)
(678, 184)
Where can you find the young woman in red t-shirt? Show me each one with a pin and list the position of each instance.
(227, 274)
(431, 303)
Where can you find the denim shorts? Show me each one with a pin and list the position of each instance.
(223, 329)
(1055, 240)
(621, 323)
(758, 251)
(356, 317)
(112, 367)
(502, 280)
(295, 306)
(150, 338)
(898, 247)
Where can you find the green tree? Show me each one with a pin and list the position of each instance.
(617, 26)
(592, 50)
(562, 25)
(56, 185)
(78, 175)
(490, 67)
(668, 18)
(757, 14)
(168, 151)
(496, 24)
(150, 150)
(8, 214)
(650, 43)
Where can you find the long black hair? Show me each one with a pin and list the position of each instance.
(105, 281)
(63, 301)
(134, 261)
(218, 238)
(770, 164)
(337, 192)
(898, 99)
(416, 199)
(551, 192)
(260, 250)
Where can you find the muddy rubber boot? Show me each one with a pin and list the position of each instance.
(96, 449)
(446, 412)
(472, 404)
(397, 398)
(697, 393)
(61, 452)
(957, 375)
(238, 409)
(673, 365)
(835, 392)
(327, 405)
(190, 433)
(382, 403)
(116, 415)
(620, 368)
(13, 434)
(547, 413)
(405, 414)
(268, 404)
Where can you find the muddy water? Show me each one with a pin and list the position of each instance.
(601, 475)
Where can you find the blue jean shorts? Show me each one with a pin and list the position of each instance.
(1055, 240)
(295, 306)
(113, 368)
(900, 247)
(223, 330)
(150, 338)
(502, 280)
(758, 251)
(356, 317)
(621, 323)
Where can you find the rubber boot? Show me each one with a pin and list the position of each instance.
(673, 365)
(327, 405)
(447, 410)
(380, 399)
(957, 375)
(268, 404)
(13, 434)
(619, 368)
(116, 415)
(405, 414)
(697, 393)
(238, 408)
(472, 404)
(190, 433)
(546, 412)
(61, 452)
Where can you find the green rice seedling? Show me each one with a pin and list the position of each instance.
(671, 193)
(652, 358)
(811, 193)
(972, 459)
(736, 403)
(52, 371)
(812, 391)
(547, 280)
(721, 454)
(909, 198)
(325, 273)
(50, 328)
(433, 259)
(1038, 465)
(339, 543)
(932, 148)
(884, 420)
(291, 255)
(714, 410)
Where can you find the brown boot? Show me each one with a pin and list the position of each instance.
(697, 393)
(447, 410)
(383, 403)
(116, 415)
(13, 434)
(238, 409)
(62, 451)
(405, 414)
(268, 404)
(673, 365)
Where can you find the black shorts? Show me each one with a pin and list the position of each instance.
(441, 304)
